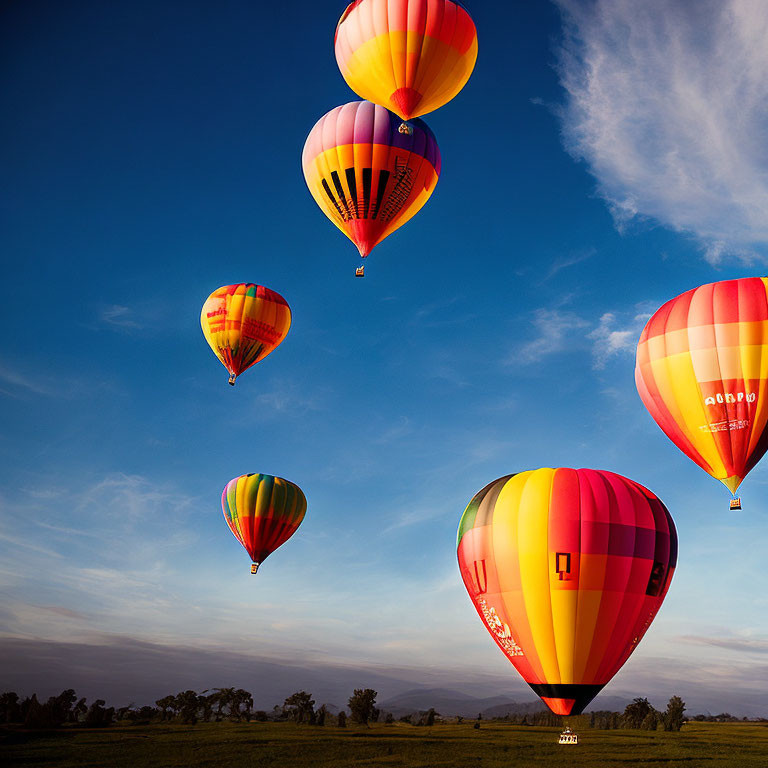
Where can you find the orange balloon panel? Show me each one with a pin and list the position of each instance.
(567, 569)
(410, 56)
(702, 373)
(368, 173)
(243, 323)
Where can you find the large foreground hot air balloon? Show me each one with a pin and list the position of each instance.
(366, 174)
(243, 323)
(567, 569)
(410, 56)
(702, 373)
(263, 512)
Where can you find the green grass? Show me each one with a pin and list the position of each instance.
(285, 745)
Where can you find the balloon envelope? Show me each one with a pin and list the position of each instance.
(567, 569)
(410, 56)
(262, 512)
(702, 373)
(243, 323)
(368, 176)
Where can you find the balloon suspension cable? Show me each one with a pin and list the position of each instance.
(255, 568)
(232, 377)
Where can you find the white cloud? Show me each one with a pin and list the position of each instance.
(119, 316)
(610, 340)
(569, 260)
(615, 333)
(668, 105)
(553, 329)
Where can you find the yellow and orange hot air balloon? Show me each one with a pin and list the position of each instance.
(367, 175)
(410, 56)
(567, 569)
(702, 373)
(243, 323)
(262, 512)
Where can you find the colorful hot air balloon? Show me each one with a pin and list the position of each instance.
(368, 176)
(702, 373)
(410, 56)
(567, 568)
(243, 323)
(263, 512)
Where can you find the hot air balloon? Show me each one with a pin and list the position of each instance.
(410, 56)
(243, 323)
(702, 373)
(263, 512)
(367, 175)
(567, 569)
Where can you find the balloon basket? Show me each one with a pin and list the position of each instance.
(568, 737)
(735, 504)
(255, 568)
(405, 129)
(232, 377)
(360, 271)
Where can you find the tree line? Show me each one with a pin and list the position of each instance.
(236, 705)
(640, 715)
(188, 707)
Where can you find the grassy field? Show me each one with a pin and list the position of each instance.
(285, 745)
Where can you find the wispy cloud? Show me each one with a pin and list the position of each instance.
(286, 398)
(119, 316)
(569, 260)
(612, 337)
(731, 643)
(557, 331)
(17, 382)
(666, 103)
(553, 328)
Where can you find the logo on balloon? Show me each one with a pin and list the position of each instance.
(499, 629)
(729, 397)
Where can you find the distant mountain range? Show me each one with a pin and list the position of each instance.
(141, 672)
(451, 703)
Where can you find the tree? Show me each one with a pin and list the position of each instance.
(300, 706)
(98, 716)
(430, 717)
(674, 718)
(186, 704)
(223, 698)
(651, 721)
(636, 712)
(389, 719)
(206, 706)
(243, 699)
(321, 715)
(34, 717)
(361, 705)
(342, 719)
(10, 712)
(60, 707)
(79, 711)
(165, 704)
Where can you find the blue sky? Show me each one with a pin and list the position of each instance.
(151, 153)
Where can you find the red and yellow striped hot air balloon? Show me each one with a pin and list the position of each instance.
(263, 512)
(567, 569)
(410, 56)
(367, 175)
(243, 323)
(702, 373)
